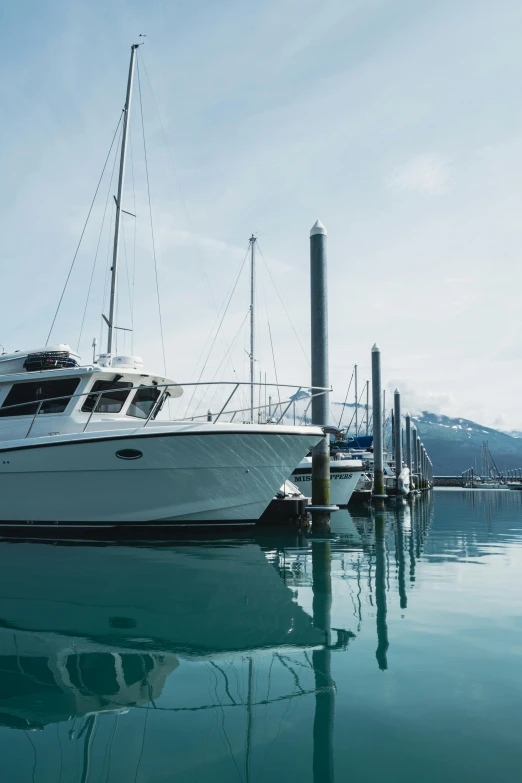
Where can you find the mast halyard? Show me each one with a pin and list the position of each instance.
(252, 241)
(121, 179)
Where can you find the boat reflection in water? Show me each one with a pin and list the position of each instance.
(194, 656)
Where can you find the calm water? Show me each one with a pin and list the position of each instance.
(391, 651)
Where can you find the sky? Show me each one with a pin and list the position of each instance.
(397, 123)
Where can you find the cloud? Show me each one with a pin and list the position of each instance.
(415, 401)
(428, 173)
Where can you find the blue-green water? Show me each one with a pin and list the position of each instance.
(390, 651)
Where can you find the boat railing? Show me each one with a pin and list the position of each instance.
(267, 413)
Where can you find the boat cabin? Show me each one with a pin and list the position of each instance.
(46, 392)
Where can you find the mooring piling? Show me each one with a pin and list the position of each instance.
(378, 467)
(415, 467)
(424, 467)
(419, 462)
(408, 443)
(397, 436)
(319, 319)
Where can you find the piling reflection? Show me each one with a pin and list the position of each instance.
(323, 757)
(399, 556)
(380, 591)
(240, 643)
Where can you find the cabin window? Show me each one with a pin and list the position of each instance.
(112, 401)
(143, 402)
(35, 392)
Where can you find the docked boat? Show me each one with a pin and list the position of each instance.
(344, 477)
(87, 445)
(84, 445)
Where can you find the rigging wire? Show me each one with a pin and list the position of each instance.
(83, 230)
(283, 305)
(271, 346)
(127, 276)
(107, 273)
(183, 200)
(275, 367)
(291, 323)
(98, 246)
(151, 222)
(218, 321)
(217, 332)
(345, 400)
(61, 750)
(34, 751)
(360, 406)
(223, 363)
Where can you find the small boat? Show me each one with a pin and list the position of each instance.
(512, 485)
(344, 477)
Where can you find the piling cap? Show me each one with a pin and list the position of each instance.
(396, 391)
(376, 348)
(318, 228)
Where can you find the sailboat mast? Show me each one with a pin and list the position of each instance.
(367, 405)
(121, 178)
(252, 323)
(356, 402)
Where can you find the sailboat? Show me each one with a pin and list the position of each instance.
(83, 444)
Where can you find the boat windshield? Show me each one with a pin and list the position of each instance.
(143, 402)
(110, 402)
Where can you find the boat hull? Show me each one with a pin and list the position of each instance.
(343, 481)
(183, 475)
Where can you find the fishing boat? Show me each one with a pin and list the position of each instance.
(86, 445)
(344, 477)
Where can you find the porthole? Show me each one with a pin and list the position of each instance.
(129, 454)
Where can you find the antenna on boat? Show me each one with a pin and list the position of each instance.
(121, 178)
(252, 241)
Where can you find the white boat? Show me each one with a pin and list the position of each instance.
(344, 476)
(403, 484)
(390, 480)
(84, 444)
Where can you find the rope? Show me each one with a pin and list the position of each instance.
(151, 223)
(83, 230)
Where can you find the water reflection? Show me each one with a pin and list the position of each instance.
(380, 590)
(219, 659)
